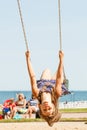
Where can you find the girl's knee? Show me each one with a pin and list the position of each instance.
(46, 74)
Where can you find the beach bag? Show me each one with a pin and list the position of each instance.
(22, 110)
(1, 117)
(17, 116)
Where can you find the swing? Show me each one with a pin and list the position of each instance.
(22, 23)
(66, 81)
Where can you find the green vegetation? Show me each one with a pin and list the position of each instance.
(73, 119)
(0, 112)
(20, 120)
(73, 110)
(41, 120)
(79, 110)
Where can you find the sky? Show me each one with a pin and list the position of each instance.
(41, 24)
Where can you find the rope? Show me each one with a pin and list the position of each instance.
(22, 23)
(60, 34)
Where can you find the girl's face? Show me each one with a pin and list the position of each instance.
(47, 108)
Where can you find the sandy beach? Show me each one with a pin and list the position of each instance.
(44, 126)
(56, 126)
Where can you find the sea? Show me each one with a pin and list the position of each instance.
(74, 96)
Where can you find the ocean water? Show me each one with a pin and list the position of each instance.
(74, 96)
(4, 95)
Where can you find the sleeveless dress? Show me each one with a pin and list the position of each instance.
(49, 86)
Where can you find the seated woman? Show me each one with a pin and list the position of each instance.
(47, 90)
(21, 102)
(20, 105)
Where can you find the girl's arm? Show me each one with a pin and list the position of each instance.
(59, 75)
(34, 88)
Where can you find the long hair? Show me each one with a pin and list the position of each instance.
(51, 119)
(56, 114)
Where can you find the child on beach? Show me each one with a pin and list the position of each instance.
(8, 108)
(48, 90)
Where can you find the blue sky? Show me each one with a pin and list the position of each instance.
(41, 23)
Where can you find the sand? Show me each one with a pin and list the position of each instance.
(44, 126)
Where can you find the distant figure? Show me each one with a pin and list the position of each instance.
(47, 90)
(32, 106)
(20, 105)
(8, 108)
(21, 102)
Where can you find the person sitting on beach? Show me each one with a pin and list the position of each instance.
(8, 108)
(21, 102)
(20, 105)
(47, 90)
(32, 106)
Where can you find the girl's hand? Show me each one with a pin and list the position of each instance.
(27, 54)
(61, 55)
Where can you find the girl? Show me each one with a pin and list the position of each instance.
(47, 90)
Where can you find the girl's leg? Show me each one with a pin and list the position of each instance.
(46, 74)
(55, 76)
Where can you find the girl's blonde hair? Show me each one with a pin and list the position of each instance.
(53, 118)
(56, 114)
(20, 94)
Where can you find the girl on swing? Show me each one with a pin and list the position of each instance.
(48, 90)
